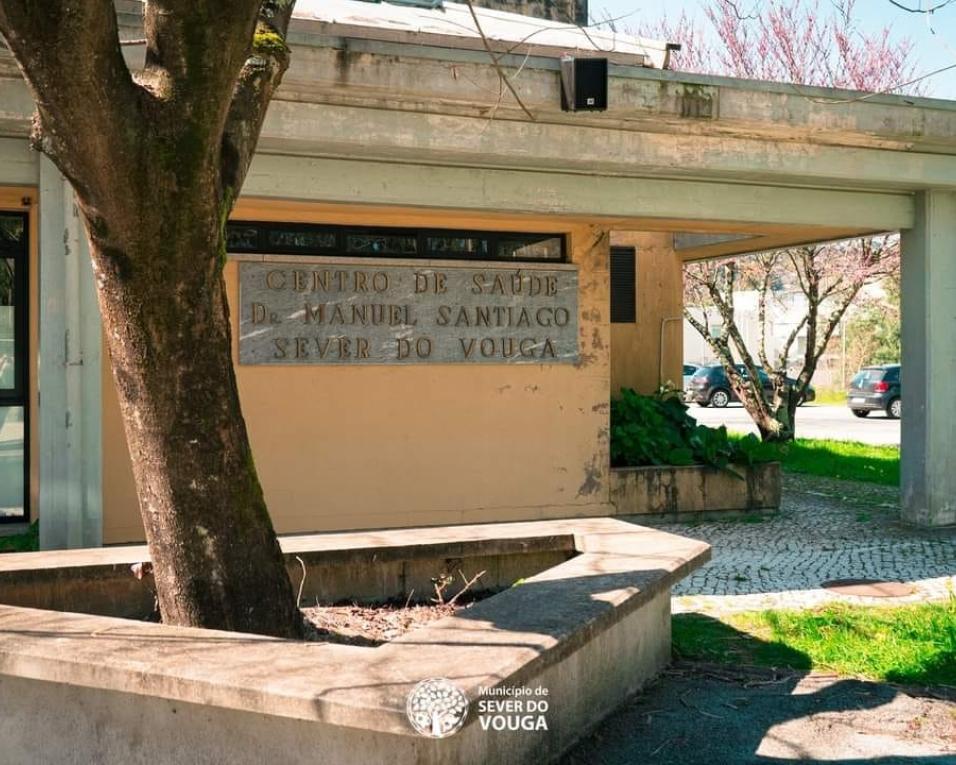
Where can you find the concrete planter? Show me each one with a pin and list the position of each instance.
(695, 492)
(590, 622)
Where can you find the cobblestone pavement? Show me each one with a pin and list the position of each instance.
(826, 529)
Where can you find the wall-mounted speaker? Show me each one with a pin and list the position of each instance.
(583, 84)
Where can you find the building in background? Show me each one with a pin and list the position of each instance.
(784, 312)
(568, 11)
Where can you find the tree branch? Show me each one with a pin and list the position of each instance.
(495, 61)
(69, 54)
(788, 344)
(931, 9)
(766, 263)
(258, 81)
(197, 48)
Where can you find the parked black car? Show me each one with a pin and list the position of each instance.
(876, 388)
(710, 387)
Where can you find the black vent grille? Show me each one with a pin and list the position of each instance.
(623, 285)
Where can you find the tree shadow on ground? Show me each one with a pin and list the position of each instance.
(720, 708)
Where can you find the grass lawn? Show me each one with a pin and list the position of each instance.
(852, 460)
(831, 396)
(25, 542)
(910, 644)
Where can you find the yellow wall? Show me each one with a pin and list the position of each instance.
(341, 447)
(636, 348)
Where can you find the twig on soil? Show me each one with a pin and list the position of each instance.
(698, 709)
(409, 598)
(298, 599)
(441, 583)
(776, 681)
(666, 742)
(468, 583)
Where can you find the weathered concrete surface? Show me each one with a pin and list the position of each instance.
(927, 478)
(91, 725)
(593, 628)
(371, 566)
(681, 493)
(704, 715)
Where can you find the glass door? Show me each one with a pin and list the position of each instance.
(14, 435)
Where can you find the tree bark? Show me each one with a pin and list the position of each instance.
(216, 560)
(156, 161)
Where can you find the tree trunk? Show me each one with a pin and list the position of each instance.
(216, 560)
(157, 160)
(780, 425)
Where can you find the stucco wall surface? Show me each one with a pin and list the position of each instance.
(636, 359)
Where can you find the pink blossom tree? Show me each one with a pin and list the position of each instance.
(799, 42)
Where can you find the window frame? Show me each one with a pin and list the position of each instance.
(19, 395)
(491, 240)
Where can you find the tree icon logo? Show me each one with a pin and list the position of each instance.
(436, 708)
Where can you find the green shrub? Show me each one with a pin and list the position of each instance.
(656, 430)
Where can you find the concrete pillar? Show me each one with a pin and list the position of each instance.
(929, 362)
(71, 505)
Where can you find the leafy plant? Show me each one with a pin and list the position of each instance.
(25, 542)
(657, 430)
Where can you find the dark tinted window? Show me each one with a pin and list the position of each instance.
(867, 376)
(892, 374)
(308, 239)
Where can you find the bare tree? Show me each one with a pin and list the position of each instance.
(829, 277)
(804, 43)
(157, 158)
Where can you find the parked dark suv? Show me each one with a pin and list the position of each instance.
(876, 388)
(710, 387)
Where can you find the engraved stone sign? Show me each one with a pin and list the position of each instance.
(294, 312)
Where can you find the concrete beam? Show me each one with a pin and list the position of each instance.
(462, 131)
(71, 505)
(795, 237)
(370, 99)
(622, 202)
(929, 362)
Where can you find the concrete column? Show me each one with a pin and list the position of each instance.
(929, 362)
(71, 505)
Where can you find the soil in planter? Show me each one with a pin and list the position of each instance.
(369, 625)
(373, 625)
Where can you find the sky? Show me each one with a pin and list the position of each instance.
(931, 52)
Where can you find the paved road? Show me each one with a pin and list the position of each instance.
(812, 422)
